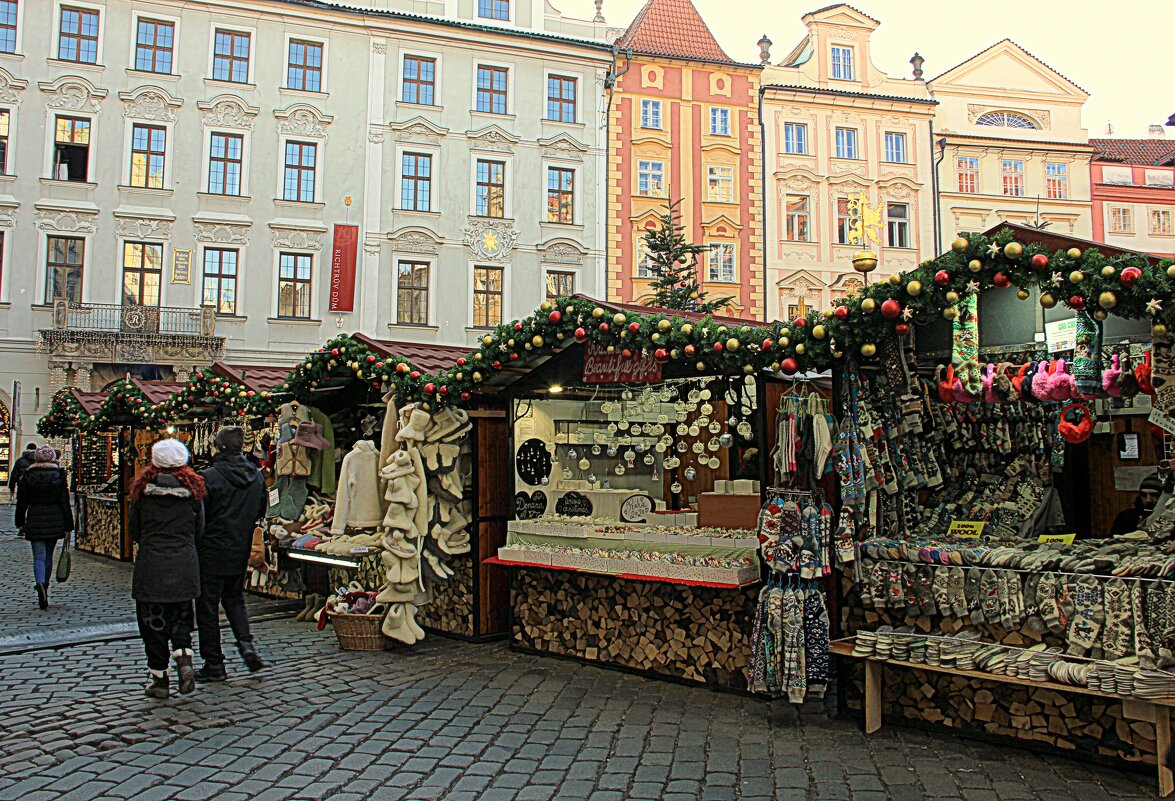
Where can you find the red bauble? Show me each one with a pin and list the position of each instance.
(580, 335)
(604, 327)
(767, 343)
(626, 353)
(402, 368)
(513, 357)
(1001, 280)
(461, 362)
(718, 347)
(444, 390)
(1129, 276)
(890, 309)
(1077, 303)
(518, 326)
(497, 365)
(661, 355)
(841, 312)
(374, 385)
(465, 396)
(414, 375)
(555, 316)
(1039, 263)
(634, 327)
(799, 322)
(901, 329)
(789, 366)
(690, 350)
(942, 278)
(334, 351)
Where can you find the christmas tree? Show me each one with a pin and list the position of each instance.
(674, 265)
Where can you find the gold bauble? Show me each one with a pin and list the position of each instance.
(655, 337)
(537, 341)
(914, 289)
(487, 340)
(784, 342)
(1073, 253)
(1100, 314)
(732, 344)
(1107, 300)
(895, 279)
(1107, 272)
(597, 312)
(1023, 294)
(619, 318)
(783, 332)
(952, 297)
(950, 313)
(611, 349)
(1076, 277)
(527, 346)
(748, 369)
(1013, 250)
(819, 332)
(1159, 330)
(775, 367)
(1047, 300)
(693, 296)
(584, 464)
(559, 335)
(865, 262)
(975, 265)
(868, 305)
(545, 306)
(800, 348)
(1171, 271)
(700, 365)
(960, 245)
(868, 350)
(664, 325)
(477, 376)
(687, 329)
(836, 354)
(477, 356)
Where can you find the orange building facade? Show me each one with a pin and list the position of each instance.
(683, 125)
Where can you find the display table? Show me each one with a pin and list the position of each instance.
(101, 531)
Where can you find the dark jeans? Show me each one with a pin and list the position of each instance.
(164, 628)
(216, 591)
(43, 560)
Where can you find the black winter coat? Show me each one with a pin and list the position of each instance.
(236, 502)
(166, 522)
(18, 470)
(43, 510)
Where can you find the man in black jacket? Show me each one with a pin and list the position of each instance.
(236, 502)
(22, 464)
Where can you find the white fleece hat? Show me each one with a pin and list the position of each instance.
(169, 453)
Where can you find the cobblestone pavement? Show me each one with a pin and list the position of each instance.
(449, 720)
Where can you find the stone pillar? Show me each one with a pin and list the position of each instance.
(57, 376)
(183, 372)
(82, 376)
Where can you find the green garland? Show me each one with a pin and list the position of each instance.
(64, 416)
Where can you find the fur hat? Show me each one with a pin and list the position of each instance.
(44, 453)
(169, 453)
(1151, 482)
(230, 439)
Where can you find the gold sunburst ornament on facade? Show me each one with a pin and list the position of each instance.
(864, 226)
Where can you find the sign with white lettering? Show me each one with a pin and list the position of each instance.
(602, 367)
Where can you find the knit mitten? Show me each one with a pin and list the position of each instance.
(1117, 637)
(844, 539)
(1087, 356)
(1144, 645)
(1088, 616)
(940, 586)
(1046, 602)
(1164, 635)
(957, 589)
(989, 599)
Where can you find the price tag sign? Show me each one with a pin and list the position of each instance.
(1063, 539)
(966, 529)
(274, 497)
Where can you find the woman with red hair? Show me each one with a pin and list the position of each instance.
(166, 521)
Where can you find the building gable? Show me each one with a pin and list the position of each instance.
(1007, 66)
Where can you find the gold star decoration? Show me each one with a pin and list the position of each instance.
(489, 241)
(993, 249)
(907, 313)
(1058, 279)
(1154, 306)
(973, 287)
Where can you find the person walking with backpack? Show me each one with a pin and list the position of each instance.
(43, 514)
(166, 521)
(19, 466)
(236, 502)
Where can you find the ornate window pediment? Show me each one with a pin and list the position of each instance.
(228, 111)
(493, 138)
(11, 87)
(73, 93)
(562, 251)
(418, 129)
(415, 239)
(150, 103)
(302, 119)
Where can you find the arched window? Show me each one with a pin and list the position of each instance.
(1006, 119)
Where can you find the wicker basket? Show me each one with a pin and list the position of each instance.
(359, 632)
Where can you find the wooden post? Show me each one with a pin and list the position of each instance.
(872, 696)
(1162, 746)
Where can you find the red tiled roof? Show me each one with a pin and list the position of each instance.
(1149, 152)
(155, 391)
(255, 377)
(675, 29)
(90, 401)
(425, 357)
(1050, 239)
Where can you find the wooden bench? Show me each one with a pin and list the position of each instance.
(1158, 711)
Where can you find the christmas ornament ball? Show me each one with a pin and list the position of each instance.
(1039, 262)
(869, 305)
(819, 332)
(895, 279)
(1171, 271)
(1130, 276)
(1073, 253)
(789, 366)
(942, 278)
(1100, 315)
(1013, 250)
(914, 289)
(1047, 300)
(800, 348)
(1077, 302)
(1023, 294)
(975, 265)
(1108, 272)
(952, 297)
(690, 474)
(597, 312)
(1076, 277)
(687, 329)
(725, 440)
(901, 329)
(960, 245)
(1001, 280)
(664, 325)
(890, 309)
(1107, 300)
(868, 350)
(1159, 330)
(950, 313)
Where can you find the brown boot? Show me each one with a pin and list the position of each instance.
(158, 688)
(184, 671)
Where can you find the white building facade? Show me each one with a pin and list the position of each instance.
(189, 161)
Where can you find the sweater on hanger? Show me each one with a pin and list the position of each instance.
(322, 463)
(358, 502)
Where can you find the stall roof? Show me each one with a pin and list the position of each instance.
(1026, 233)
(614, 307)
(156, 391)
(90, 401)
(256, 377)
(425, 357)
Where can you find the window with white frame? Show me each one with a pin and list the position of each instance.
(64, 266)
(8, 26)
(651, 114)
(71, 149)
(148, 156)
(494, 9)
(154, 43)
(561, 91)
(294, 274)
(420, 80)
(412, 292)
(490, 192)
(304, 66)
(220, 279)
(1056, 180)
(1012, 172)
(1160, 222)
(5, 126)
(226, 158)
(720, 121)
(492, 89)
(846, 143)
(230, 55)
(795, 138)
(720, 263)
(488, 291)
(77, 37)
(416, 182)
(720, 184)
(650, 178)
(897, 221)
(644, 261)
(895, 147)
(1122, 219)
(842, 63)
(1006, 119)
(843, 221)
(967, 169)
(560, 195)
(301, 162)
(798, 219)
(560, 284)
(142, 273)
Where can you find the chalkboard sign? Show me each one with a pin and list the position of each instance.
(528, 507)
(636, 508)
(533, 461)
(574, 504)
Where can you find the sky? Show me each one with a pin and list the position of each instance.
(1124, 59)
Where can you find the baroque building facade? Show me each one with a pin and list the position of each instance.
(1133, 193)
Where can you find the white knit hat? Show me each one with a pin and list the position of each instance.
(169, 453)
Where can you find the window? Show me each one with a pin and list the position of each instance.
(651, 114)
(897, 217)
(560, 98)
(148, 149)
(63, 269)
(153, 46)
(1160, 224)
(644, 263)
(895, 147)
(560, 284)
(491, 89)
(560, 195)
(71, 149)
(304, 70)
(795, 138)
(412, 293)
(225, 161)
(142, 273)
(420, 80)
(491, 189)
(1006, 119)
(720, 263)
(1013, 175)
(78, 40)
(5, 121)
(293, 286)
(843, 232)
(720, 184)
(842, 63)
(493, 9)
(1056, 180)
(301, 158)
(416, 182)
(798, 219)
(846, 143)
(967, 168)
(230, 56)
(487, 296)
(1122, 219)
(220, 279)
(720, 121)
(7, 26)
(650, 178)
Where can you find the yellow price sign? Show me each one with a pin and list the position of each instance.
(966, 529)
(1063, 539)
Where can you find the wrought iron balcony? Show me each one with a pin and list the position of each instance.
(129, 333)
(130, 318)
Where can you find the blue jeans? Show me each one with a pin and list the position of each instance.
(43, 559)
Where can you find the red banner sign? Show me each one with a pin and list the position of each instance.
(602, 367)
(342, 268)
